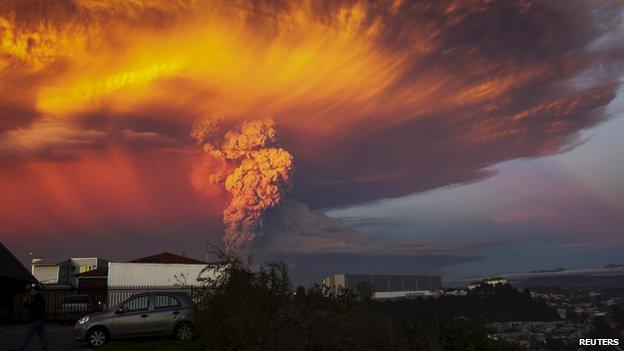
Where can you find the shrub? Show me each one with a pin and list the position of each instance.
(244, 310)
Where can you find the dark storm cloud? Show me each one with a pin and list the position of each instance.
(375, 99)
(475, 43)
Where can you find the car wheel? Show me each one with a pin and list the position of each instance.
(97, 337)
(184, 332)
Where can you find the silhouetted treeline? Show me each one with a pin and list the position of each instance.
(241, 310)
(500, 303)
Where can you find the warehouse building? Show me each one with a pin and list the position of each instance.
(163, 271)
(387, 286)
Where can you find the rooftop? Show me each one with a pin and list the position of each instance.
(11, 268)
(167, 257)
(163, 257)
(38, 262)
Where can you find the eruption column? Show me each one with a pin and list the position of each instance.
(261, 175)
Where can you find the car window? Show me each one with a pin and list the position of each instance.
(165, 301)
(137, 304)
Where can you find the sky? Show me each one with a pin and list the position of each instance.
(458, 137)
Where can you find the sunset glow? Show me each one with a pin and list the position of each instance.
(373, 101)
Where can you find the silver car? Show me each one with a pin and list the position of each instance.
(145, 314)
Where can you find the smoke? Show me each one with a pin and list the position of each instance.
(261, 174)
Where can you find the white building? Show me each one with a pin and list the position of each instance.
(44, 272)
(163, 271)
(455, 292)
(63, 273)
(496, 281)
(489, 281)
(387, 286)
(156, 274)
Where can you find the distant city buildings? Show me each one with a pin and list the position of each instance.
(577, 308)
(489, 281)
(387, 286)
(454, 292)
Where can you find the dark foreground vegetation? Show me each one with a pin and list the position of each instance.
(484, 305)
(260, 311)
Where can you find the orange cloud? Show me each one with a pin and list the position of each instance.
(373, 99)
(100, 191)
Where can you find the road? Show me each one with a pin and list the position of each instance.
(60, 338)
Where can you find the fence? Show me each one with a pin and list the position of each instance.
(60, 303)
(70, 304)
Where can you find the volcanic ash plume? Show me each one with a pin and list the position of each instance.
(262, 174)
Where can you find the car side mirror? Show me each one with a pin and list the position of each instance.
(119, 311)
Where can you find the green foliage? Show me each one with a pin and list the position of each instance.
(241, 310)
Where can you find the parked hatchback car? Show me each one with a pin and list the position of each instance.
(145, 314)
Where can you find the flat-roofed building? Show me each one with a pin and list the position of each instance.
(387, 286)
(45, 272)
(163, 271)
(64, 273)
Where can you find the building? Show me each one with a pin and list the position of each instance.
(496, 281)
(489, 281)
(474, 285)
(45, 272)
(157, 272)
(98, 278)
(95, 279)
(455, 292)
(387, 286)
(64, 273)
(14, 277)
(163, 269)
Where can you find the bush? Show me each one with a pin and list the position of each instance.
(241, 310)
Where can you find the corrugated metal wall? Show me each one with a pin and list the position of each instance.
(386, 283)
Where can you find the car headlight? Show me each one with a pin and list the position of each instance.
(83, 320)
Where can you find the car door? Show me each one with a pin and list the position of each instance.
(167, 310)
(133, 317)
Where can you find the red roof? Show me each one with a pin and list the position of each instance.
(166, 257)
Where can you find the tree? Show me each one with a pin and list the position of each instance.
(241, 309)
(364, 291)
